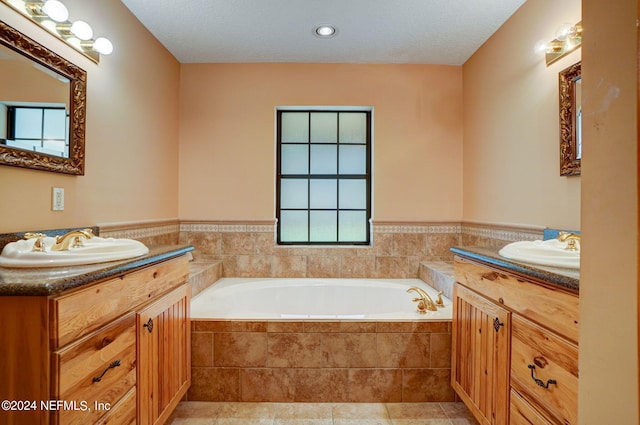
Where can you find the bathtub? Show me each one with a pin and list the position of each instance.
(318, 340)
(314, 299)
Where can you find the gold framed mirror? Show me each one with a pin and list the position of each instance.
(570, 82)
(28, 94)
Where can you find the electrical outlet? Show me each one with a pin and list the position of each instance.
(57, 199)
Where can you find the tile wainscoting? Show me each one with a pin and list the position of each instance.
(164, 232)
(248, 249)
(497, 235)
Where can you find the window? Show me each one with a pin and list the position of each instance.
(323, 185)
(40, 129)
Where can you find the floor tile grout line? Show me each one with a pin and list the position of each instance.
(386, 406)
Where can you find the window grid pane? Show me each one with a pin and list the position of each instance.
(353, 127)
(334, 207)
(295, 159)
(324, 127)
(295, 127)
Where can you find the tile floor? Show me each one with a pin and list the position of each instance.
(214, 413)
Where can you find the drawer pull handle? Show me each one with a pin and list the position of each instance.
(115, 363)
(497, 324)
(149, 325)
(540, 382)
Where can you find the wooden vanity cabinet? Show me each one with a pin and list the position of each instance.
(480, 349)
(526, 372)
(88, 355)
(164, 353)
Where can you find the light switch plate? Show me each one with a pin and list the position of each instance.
(57, 199)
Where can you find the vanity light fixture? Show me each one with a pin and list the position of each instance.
(82, 30)
(54, 16)
(325, 31)
(568, 38)
(55, 10)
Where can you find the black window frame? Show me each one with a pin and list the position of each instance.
(367, 176)
(11, 124)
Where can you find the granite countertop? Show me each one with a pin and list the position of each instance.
(564, 278)
(54, 280)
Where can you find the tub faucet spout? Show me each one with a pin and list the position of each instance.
(424, 300)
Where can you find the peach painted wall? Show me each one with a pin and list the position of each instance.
(608, 390)
(511, 124)
(30, 84)
(132, 131)
(227, 135)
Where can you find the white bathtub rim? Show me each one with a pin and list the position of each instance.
(232, 286)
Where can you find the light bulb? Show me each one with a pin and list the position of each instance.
(564, 31)
(103, 46)
(82, 30)
(325, 31)
(541, 47)
(55, 10)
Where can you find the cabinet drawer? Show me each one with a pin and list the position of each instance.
(545, 305)
(86, 310)
(97, 371)
(539, 355)
(123, 413)
(521, 412)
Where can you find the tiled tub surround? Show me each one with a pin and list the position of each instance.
(321, 361)
(249, 250)
(438, 275)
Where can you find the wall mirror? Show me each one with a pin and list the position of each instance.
(570, 80)
(42, 109)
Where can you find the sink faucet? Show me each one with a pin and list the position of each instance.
(38, 244)
(71, 239)
(424, 300)
(572, 240)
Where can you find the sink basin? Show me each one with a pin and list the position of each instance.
(551, 252)
(95, 250)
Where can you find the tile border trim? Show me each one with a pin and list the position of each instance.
(137, 230)
(502, 232)
(141, 229)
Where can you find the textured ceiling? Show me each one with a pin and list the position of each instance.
(369, 31)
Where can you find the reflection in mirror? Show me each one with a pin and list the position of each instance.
(570, 84)
(42, 111)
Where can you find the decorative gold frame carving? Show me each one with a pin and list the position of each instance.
(569, 163)
(24, 45)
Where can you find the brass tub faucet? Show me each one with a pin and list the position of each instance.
(424, 300)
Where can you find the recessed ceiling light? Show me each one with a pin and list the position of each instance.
(325, 31)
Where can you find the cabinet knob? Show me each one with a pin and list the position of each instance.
(497, 324)
(149, 325)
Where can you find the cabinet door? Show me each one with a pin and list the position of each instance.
(164, 355)
(480, 355)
